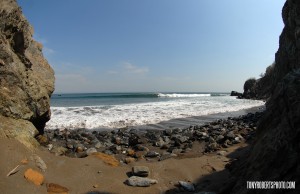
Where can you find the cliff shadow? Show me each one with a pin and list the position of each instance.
(218, 182)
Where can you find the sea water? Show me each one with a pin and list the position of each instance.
(117, 110)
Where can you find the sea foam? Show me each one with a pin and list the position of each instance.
(134, 114)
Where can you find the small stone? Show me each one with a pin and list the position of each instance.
(42, 139)
(130, 152)
(204, 192)
(34, 176)
(58, 151)
(96, 186)
(230, 135)
(142, 171)
(186, 186)
(90, 151)
(129, 160)
(140, 182)
(152, 154)
(53, 188)
(142, 148)
(70, 146)
(39, 162)
(99, 145)
(49, 147)
(221, 153)
(24, 161)
(139, 154)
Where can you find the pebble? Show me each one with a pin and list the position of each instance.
(129, 160)
(152, 154)
(187, 186)
(136, 181)
(142, 171)
(90, 151)
(39, 162)
(34, 176)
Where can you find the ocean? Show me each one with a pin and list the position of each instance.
(98, 111)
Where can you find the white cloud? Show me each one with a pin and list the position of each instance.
(130, 68)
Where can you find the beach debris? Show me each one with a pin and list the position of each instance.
(186, 186)
(136, 181)
(13, 171)
(39, 162)
(34, 176)
(53, 188)
(107, 159)
(142, 171)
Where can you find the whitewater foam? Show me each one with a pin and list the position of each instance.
(182, 95)
(134, 114)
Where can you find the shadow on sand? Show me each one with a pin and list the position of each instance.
(220, 182)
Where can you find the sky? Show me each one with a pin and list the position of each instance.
(155, 45)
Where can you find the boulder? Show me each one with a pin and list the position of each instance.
(26, 78)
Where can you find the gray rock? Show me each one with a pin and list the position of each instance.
(186, 186)
(221, 153)
(39, 162)
(152, 154)
(90, 151)
(99, 145)
(140, 182)
(142, 171)
(230, 135)
(58, 151)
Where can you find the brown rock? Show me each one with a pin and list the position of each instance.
(53, 188)
(129, 160)
(34, 176)
(130, 152)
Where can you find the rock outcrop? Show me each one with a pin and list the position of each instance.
(275, 152)
(26, 78)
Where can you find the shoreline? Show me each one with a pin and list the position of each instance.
(206, 133)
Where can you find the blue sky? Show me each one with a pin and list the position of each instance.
(155, 45)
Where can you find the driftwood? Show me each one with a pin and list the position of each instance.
(13, 171)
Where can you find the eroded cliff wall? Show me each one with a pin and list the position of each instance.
(26, 78)
(276, 151)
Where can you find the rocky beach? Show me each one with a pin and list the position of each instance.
(215, 157)
(129, 160)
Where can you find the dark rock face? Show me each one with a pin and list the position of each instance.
(275, 153)
(235, 93)
(26, 78)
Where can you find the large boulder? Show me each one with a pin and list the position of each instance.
(26, 78)
(275, 152)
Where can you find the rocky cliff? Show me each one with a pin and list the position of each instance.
(275, 153)
(26, 78)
